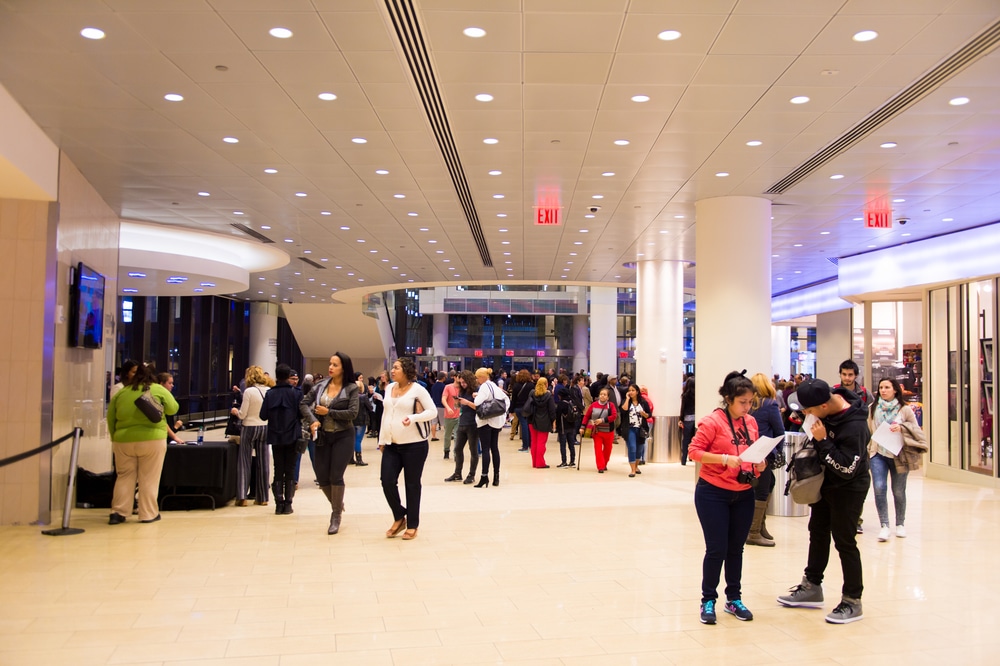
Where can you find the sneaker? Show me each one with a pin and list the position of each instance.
(883, 534)
(708, 612)
(848, 610)
(736, 607)
(861, 530)
(562, 464)
(804, 595)
(900, 532)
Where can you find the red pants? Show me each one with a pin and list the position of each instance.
(603, 441)
(538, 441)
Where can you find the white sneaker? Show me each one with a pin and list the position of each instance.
(900, 532)
(883, 534)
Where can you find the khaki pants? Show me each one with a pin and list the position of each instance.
(142, 462)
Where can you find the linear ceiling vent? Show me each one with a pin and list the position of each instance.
(411, 39)
(973, 50)
(312, 263)
(250, 232)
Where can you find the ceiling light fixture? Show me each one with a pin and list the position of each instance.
(412, 214)
(639, 99)
(280, 33)
(398, 196)
(754, 143)
(608, 174)
(173, 97)
(359, 139)
(621, 142)
(498, 196)
(888, 144)
(484, 97)
(381, 172)
(824, 233)
(899, 201)
(325, 212)
(947, 219)
(597, 196)
(501, 214)
(327, 96)
(678, 217)
(289, 240)
(491, 141)
(345, 228)
(473, 32)
(958, 101)
(204, 194)
(495, 172)
(230, 139)
(301, 194)
(590, 216)
(265, 227)
(722, 174)
(270, 171)
(668, 35)
(92, 33)
(801, 99)
(865, 36)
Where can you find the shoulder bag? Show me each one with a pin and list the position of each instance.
(492, 407)
(149, 406)
(805, 475)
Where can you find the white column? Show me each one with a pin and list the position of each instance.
(603, 330)
(581, 342)
(439, 340)
(781, 351)
(659, 349)
(264, 335)
(733, 292)
(834, 342)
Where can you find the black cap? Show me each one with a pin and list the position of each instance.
(812, 393)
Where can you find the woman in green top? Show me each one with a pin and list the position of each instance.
(139, 446)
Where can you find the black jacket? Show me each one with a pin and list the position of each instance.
(540, 411)
(844, 452)
(343, 409)
(281, 410)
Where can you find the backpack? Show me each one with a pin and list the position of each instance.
(805, 475)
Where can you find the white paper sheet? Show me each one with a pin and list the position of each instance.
(757, 451)
(892, 441)
(807, 425)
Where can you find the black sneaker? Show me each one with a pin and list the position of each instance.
(708, 612)
(736, 607)
(116, 519)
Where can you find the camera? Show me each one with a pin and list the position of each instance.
(747, 477)
(903, 220)
(594, 209)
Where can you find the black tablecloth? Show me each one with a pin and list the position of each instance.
(190, 470)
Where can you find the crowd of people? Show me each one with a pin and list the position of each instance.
(329, 416)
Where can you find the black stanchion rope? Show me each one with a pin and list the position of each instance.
(27, 454)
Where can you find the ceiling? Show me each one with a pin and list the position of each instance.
(561, 74)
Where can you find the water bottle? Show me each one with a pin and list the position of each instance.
(201, 435)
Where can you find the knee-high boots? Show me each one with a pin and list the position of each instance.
(755, 538)
(279, 498)
(337, 506)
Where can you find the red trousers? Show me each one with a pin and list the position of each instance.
(603, 441)
(538, 441)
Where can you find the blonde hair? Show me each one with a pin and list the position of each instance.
(541, 386)
(763, 389)
(484, 372)
(255, 375)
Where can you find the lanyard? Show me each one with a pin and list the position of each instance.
(736, 434)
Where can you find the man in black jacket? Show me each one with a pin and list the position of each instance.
(841, 436)
(281, 411)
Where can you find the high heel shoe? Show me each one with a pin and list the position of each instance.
(484, 481)
(496, 478)
(397, 527)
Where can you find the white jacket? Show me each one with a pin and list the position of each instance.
(253, 398)
(488, 391)
(396, 409)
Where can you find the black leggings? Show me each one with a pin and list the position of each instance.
(334, 451)
(408, 459)
(285, 457)
(489, 442)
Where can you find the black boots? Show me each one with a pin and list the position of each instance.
(289, 494)
(358, 461)
(484, 481)
(496, 476)
(469, 479)
(279, 498)
(337, 506)
(454, 477)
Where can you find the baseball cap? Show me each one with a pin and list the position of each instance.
(811, 393)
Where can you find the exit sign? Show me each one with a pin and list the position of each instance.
(478, 353)
(509, 352)
(540, 352)
(878, 219)
(547, 216)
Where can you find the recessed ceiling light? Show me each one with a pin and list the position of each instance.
(779, 278)
(584, 231)
(503, 231)
(280, 33)
(506, 254)
(289, 240)
(775, 255)
(498, 196)
(359, 139)
(432, 241)
(888, 144)
(858, 219)
(270, 171)
(92, 33)
(597, 196)
(373, 251)
(958, 101)
(798, 272)
(824, 233)
(797, 245)
(678, 217)
(865, 36)
(398, 196)
(947, 219)
(265, 227)
(230, 139)
(495, 172)
(325, 212)
(754, 143)
(640, 98)
(669, 35)
(173, 97)
(904, 235)
(577, 242)
(899, 201)
(836, 176)
(590, 216)
(501, 214)
(345, 228)
(621, 142)
(204, 194)
(870, 246)
(484, 97)
(237, 212)
(424, 229)
(327, 96)
(801, 99)
(664, 231)
(473, 32)
(361, 240)
(439, 251)
(608, 173)
(301, 194)
(491, 141)
(136, 274)
(382, 172)
(505, 242)
(722, 174)
(412, 214)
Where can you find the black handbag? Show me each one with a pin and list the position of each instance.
(492, 407)
(149, 406)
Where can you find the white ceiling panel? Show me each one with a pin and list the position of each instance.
(763, 35)
(698, 32)
(566, 68)
(574, 31)
(308, 31)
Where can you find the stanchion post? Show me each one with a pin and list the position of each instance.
(74, 456)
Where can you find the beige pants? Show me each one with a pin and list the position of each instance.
(142, 462)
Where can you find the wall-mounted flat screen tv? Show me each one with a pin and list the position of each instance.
(86, 317)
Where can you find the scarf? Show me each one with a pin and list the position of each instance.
(886, 411)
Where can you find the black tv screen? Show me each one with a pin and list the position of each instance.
(86, 325)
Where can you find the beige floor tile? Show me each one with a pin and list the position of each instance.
(164, 652)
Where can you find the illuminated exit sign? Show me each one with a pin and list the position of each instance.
(878, 219)
(547, 216)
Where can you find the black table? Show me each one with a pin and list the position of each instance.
(207, 472)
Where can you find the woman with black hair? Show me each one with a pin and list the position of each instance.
(723, 496)
(885, 465)
(408, 409)
(466, 431)
(687, 418)
(331, 407)
(126, 375)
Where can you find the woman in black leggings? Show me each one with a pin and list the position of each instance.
(489, 429)
(466, 430)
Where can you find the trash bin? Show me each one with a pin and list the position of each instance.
(664, 444)
(780, 504)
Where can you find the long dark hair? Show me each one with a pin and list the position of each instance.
(895, 387)
(346, 368)
(145, 376)
(735, 385)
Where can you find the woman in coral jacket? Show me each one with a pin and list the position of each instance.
(601, 416)
(723, 496)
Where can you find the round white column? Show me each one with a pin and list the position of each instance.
(732, 292)
(439, 340)
(659, 353)
(264, 336)
(603, 330)
(581, 343)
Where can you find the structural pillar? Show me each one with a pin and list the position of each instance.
(732, 292)
(264, 335)
(439, 340)
(603, 330)
(581, 342)
(781, 351)
(659, 352)
(834, 343)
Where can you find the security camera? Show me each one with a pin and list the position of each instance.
(594, 209)
(903, 220)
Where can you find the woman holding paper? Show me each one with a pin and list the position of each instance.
(767, 413)
(889, 409)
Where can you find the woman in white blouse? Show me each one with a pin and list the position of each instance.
(253, 439)
(489, 429)
(407, 411)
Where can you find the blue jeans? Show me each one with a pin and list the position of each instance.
(725, 517)
(881, 468)
(359, 436)
(688, 435)
(634, 441)
(524, 430)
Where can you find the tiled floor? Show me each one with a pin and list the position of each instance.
(554, 566)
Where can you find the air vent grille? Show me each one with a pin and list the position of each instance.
(312, 263)
(975, 49)
(250, 232)
(411, 40)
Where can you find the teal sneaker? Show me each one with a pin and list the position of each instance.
(708, 612)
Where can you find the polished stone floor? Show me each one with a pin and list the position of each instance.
(554, 566)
